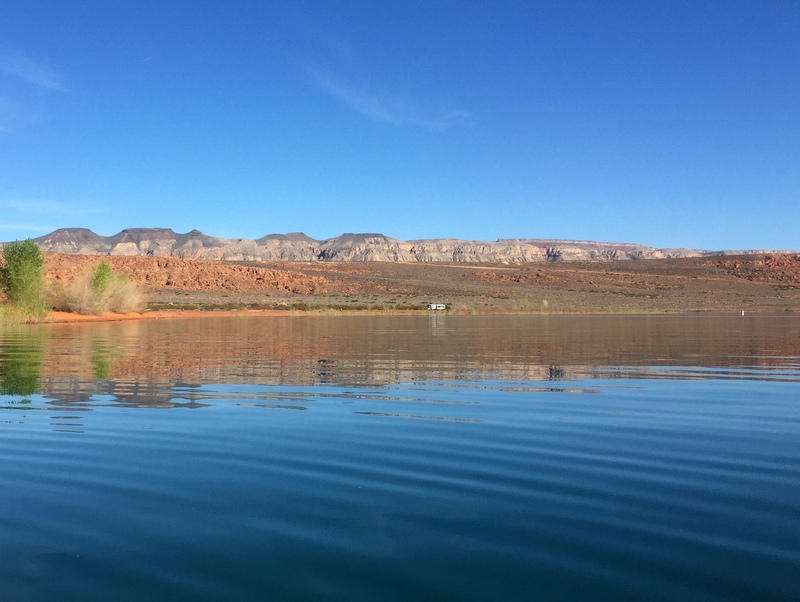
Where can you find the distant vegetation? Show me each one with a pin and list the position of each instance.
(29, 298)
(22, 279)
(96, 291)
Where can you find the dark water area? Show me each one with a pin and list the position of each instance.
(402, 457)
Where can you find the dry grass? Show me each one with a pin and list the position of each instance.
(11, 316)
(86, 294)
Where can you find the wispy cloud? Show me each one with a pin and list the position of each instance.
(23, 80)
(385, 110)
(26, 217)
(25, 227)
(49, 208)
(10, 231)
(21, 66)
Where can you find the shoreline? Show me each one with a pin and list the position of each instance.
(178, 288)
(59, 317)
(62, 317)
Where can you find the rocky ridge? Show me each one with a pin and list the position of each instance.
(752, 283)
(172, 273)
(164, 242)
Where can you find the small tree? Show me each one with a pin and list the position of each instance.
(102, 276)
(22, 276)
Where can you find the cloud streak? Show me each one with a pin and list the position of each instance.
(25, 227)
(384, 111)
(19, 65)
(25, 217)
(38, 208)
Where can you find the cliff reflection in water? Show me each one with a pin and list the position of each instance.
(168, 363)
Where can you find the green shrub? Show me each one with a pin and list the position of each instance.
(98, 291)
(102, 276)
(22, 277)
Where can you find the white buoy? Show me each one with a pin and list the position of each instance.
(742, 312)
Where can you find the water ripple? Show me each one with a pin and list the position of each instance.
(472, 477)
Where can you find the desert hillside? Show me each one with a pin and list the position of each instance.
(762, 283)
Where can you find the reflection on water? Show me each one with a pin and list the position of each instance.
(146, 363)
(101, 358)
(21, 359)
(401, 458)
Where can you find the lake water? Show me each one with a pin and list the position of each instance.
(402, 458)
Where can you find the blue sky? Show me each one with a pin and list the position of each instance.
(666, 123)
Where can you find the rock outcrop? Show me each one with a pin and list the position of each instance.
(178, 274)
(164, 242)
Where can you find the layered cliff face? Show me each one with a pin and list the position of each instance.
(163, 242)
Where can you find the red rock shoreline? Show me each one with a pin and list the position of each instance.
(765, 284)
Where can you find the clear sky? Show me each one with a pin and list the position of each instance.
(667, 123)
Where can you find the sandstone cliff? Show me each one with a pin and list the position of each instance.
(164, 242)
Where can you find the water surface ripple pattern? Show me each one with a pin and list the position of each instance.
(396, 458)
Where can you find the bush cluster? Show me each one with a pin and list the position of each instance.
(22, 277)
(97, 291)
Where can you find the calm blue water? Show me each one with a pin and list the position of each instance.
(397, 458)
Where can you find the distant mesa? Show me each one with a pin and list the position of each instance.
(296, 246)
